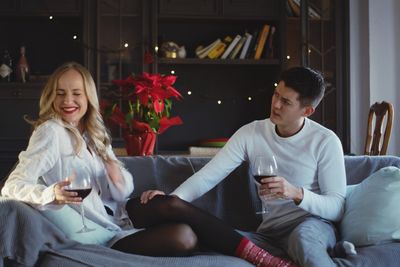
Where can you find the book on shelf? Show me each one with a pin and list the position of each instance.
(261, 41)
(252, 47)
(230, 47)
(217, 51)
(202, 52)
(269, 46)
(237, 48)
(246, 45)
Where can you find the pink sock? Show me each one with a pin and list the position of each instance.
(248, 251)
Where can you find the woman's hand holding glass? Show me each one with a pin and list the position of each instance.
(63, 196)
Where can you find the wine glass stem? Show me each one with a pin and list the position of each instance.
(83, 216)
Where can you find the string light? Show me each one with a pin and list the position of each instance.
(219, 102)
(126, 45)
(156, 49)
(50, 17)
(275, 84)
(189, 92)
(249, 98)
(75, 37)
(288, 57)
(172, 72)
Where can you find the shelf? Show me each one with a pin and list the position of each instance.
(216, 18)
(188, 61)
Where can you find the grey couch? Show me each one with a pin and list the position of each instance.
(29, 239)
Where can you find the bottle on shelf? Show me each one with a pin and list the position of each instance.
(22, 67)
(6, 67)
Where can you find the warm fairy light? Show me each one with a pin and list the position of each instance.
(172, 72)
(288, 57)
(74, 37)
(126, 45)
(156, 49)
(309, 51)
(189, 92)
(219, 102)
(249, 98)
(50, 17)
(275, 84)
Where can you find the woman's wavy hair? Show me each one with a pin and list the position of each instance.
(92, 122)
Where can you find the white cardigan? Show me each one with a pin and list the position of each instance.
(49, 152)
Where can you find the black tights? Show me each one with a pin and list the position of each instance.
(172, 228)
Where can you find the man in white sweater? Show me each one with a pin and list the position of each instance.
(309, 191)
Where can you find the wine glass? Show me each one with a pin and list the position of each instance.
(264, 167)
(81, 184)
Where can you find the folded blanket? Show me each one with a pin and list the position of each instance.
(25, 233)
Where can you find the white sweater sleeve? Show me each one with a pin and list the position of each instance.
(39, 157)
(123, 192)
(329, 203)
(226, 160)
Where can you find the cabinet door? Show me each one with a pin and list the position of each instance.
(16, 102)
(120, 47)
(257, 8)
(51, 7)
(187, 8)
(320, 45)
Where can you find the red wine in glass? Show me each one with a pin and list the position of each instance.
(260, 177)
(82, 193)
(263, 167)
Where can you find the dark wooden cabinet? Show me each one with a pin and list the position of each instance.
(104, 27)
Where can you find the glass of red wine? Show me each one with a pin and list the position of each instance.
(81, 184)
(264, 167)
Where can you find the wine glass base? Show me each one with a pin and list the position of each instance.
(85, 230)
(262, 212)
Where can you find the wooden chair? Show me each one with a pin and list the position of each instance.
(373, 144)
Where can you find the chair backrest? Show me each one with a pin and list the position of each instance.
(373, 143)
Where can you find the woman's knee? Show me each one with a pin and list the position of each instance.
(184, 239)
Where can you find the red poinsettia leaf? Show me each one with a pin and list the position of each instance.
(173, 92)
(158, 106)
(165, 123)
(168, 80)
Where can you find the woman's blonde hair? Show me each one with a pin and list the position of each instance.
(92, 122)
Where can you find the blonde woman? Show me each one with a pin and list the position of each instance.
(69, 130)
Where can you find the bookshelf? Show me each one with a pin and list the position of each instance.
(231, 81)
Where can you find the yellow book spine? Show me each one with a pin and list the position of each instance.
(217, 51)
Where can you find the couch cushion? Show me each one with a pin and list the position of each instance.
(371, 213)
(69, 221)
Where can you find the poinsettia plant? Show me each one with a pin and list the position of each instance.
(149, 102)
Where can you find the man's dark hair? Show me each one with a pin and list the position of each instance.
(307, 82)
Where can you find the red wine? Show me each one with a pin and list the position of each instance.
(82, 193)
(259, 177)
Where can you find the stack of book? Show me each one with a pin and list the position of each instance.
(255, 45)
(208, 147)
